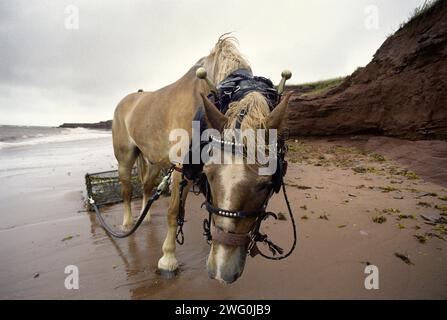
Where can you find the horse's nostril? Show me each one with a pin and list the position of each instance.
(211, 274)
(230, 279)
(222, 277)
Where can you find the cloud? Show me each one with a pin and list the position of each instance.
(49, 74)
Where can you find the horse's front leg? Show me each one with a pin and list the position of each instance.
(168, 262)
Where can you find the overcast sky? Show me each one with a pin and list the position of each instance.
(51, 74)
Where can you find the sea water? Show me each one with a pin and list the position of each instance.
(17, 136)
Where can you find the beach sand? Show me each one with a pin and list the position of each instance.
(336, 190)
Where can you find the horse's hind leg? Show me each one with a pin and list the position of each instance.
(168, 263)
(125, 174)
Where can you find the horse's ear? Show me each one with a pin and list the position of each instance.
(278, 115)
(214, 117)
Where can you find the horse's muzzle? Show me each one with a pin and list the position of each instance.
(226, 263)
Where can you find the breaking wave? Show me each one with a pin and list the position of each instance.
(13, 136)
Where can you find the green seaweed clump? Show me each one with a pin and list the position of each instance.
(388, 189)
(421, 238)
(379, 219)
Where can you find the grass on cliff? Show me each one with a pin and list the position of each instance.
(321, 86)
(423, 10)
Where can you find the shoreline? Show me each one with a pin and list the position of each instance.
(336, 235)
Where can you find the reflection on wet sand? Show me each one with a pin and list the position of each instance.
(94, 226)
(139, 252)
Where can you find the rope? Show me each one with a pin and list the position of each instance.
(179, 236)
(273, 248)
(154, 197)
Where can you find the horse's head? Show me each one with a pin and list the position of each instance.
(237, 187)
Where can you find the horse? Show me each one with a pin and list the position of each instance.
(141, 127)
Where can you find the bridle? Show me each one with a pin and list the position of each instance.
(251, 238)
(233, 88)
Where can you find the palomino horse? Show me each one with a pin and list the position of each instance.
(141, 127)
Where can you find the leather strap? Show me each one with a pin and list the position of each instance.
(233, 214)
(230, 239)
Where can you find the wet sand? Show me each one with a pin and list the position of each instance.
(335, 190)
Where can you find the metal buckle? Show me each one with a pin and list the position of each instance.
(196, 189)
(252, 243)
(243, 113)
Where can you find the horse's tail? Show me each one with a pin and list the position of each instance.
(141, 166)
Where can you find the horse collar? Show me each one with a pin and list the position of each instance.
(238, 84)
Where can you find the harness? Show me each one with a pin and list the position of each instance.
(236, 86)
(233, 88)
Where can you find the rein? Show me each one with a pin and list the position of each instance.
(154, 197)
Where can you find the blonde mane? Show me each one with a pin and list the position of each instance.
(224, 58)
(257, 108)
(257, 111)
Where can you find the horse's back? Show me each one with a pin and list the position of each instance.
(146, 119)
(123, 111)
(126, 105)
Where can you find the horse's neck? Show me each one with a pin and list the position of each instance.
(189, 82)
(189, 79)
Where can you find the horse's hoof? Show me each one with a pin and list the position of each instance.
(167, 266)
(167, 274)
